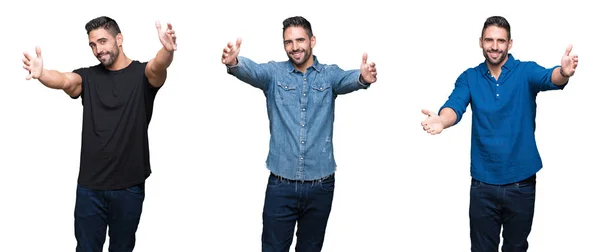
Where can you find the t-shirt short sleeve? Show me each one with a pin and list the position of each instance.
(82, 72)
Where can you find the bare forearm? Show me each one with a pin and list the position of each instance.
(448, 117)
(53, 79)
(162, 60)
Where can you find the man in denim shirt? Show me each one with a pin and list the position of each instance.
(504, 154)
(300, 97)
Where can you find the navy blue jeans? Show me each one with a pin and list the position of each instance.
(119, 210)
(509, 207)
(286, 202)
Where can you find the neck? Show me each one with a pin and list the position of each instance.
(307, 63)
(121, 62)
(496, 69)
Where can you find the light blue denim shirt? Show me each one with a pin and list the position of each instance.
(300, 107)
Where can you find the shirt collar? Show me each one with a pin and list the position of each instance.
(316, 65)
(508, 65)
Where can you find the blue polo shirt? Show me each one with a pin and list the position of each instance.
(503, 146)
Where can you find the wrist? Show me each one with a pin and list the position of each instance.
(235, 63)
(563, 73)
(362, 80)
(169, 51)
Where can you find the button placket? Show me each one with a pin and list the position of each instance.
(302, 136)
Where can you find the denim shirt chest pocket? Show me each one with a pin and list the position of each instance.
(286, 93)
(321, 93)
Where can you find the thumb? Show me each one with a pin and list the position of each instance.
(38, 51)
(568, 51)
(426, 112)
(238, 42)
(364, 58)
(158, 25)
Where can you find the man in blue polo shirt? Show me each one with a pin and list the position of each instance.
(504, 155)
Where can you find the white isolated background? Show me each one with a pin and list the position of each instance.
(397, 188)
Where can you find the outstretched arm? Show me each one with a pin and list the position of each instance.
(349, 82)
(69, 82)
(555, 78)
(451, 112)
(244, 69)
(156, 69)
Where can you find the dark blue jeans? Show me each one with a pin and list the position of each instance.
(119, 210)
(509, 207)
(286, 202)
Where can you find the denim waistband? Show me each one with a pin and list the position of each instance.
(293, 180)
(524, 181)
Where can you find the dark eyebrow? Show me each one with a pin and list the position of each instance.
(296, 39)
(98, 40)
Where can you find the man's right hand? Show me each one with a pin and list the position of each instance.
(433, 123)
(33, 65)
(230, 53)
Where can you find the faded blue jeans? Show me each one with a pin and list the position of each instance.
(119, 210)
(288, 202)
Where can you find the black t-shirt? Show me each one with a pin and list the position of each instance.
(117, 108)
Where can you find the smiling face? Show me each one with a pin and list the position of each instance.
(105, 46)
(298, 46)
(495, 44)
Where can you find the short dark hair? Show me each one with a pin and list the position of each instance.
(496, 21)
(105, 22)
(298, 21)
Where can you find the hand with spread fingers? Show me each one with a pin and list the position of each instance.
(230, 53)
(167, 36)
(33, 65)
(368, 72)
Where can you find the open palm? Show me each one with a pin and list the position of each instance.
(33, 65)
(433, 123)
(167, 37)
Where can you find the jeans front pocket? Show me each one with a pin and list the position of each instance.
(328, 184)
(475, 184)
(275, 181)
(137, 189)
(526, 188)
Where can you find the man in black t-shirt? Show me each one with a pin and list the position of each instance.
(117, 96)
